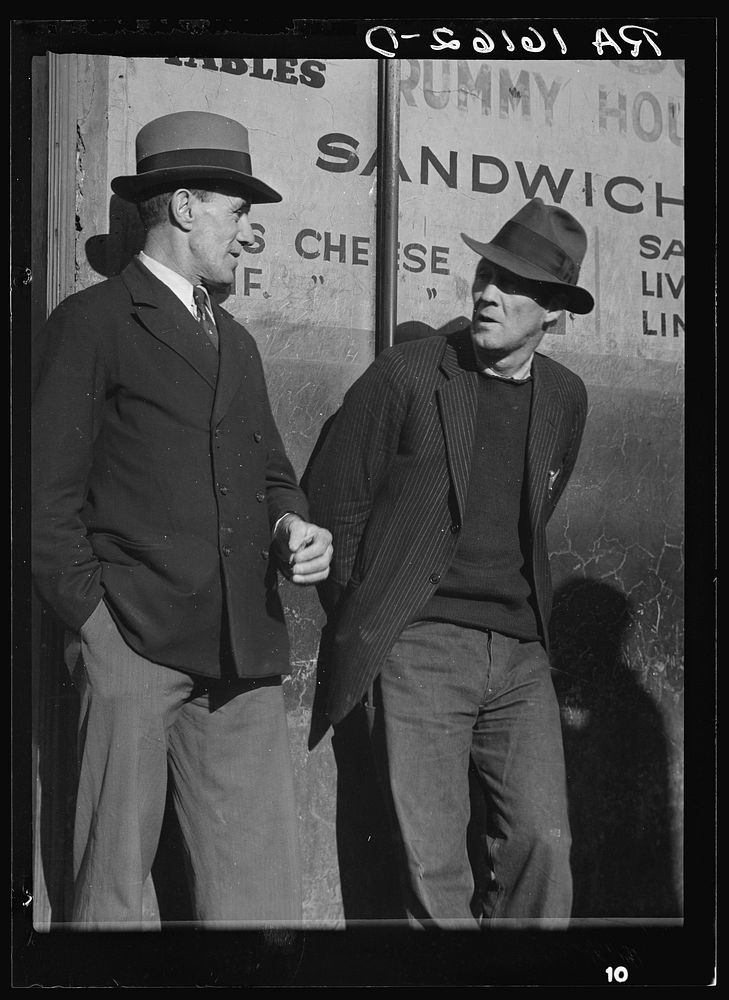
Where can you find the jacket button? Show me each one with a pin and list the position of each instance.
(434, 577)
(227, 551)
(223, 489)
(257, 437)
(260, 497)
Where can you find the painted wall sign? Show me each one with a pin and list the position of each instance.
(604, 138)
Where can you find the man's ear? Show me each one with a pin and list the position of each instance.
(181, 208)
(555, 307)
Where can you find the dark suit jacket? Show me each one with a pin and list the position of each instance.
(390, 482)
(157, 477)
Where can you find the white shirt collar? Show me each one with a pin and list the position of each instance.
(174, 281)
(522, 376)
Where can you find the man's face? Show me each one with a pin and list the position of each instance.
(219, 231)
(509, 313)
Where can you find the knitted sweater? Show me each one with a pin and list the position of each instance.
(488, 584)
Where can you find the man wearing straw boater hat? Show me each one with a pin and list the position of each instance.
(437, 479)
(164, 505)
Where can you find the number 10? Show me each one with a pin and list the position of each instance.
(619, 973)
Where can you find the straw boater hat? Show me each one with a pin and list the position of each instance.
(543, 243)
(192, 146)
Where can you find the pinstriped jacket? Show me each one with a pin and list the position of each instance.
(390, 481)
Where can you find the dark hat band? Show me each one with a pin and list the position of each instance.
(536, 249)
(227, 159)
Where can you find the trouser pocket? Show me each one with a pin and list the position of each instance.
(71, 651)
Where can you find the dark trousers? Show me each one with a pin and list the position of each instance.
(225, 749)
(446, 696)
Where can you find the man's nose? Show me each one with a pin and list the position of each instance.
(245, 232)
(487, 290)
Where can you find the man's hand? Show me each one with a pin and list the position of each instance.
(303, 550)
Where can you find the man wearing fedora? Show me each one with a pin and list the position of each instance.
(437, 479)
(163, 507)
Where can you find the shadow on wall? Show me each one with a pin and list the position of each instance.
(617, 760)
(416, 330)
(109, 253)
(366, 849)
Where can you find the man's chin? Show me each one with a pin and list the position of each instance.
(221, 290)
(485, 334)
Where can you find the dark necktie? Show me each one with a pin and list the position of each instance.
(200, 296)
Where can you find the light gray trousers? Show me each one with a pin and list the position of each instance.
(224, 747)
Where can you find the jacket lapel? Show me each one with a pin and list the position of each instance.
(457, 400)
(235, 363)
(161, 313)
(542, 437)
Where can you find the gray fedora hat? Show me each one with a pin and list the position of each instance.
(192, 146)
(543, 243)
